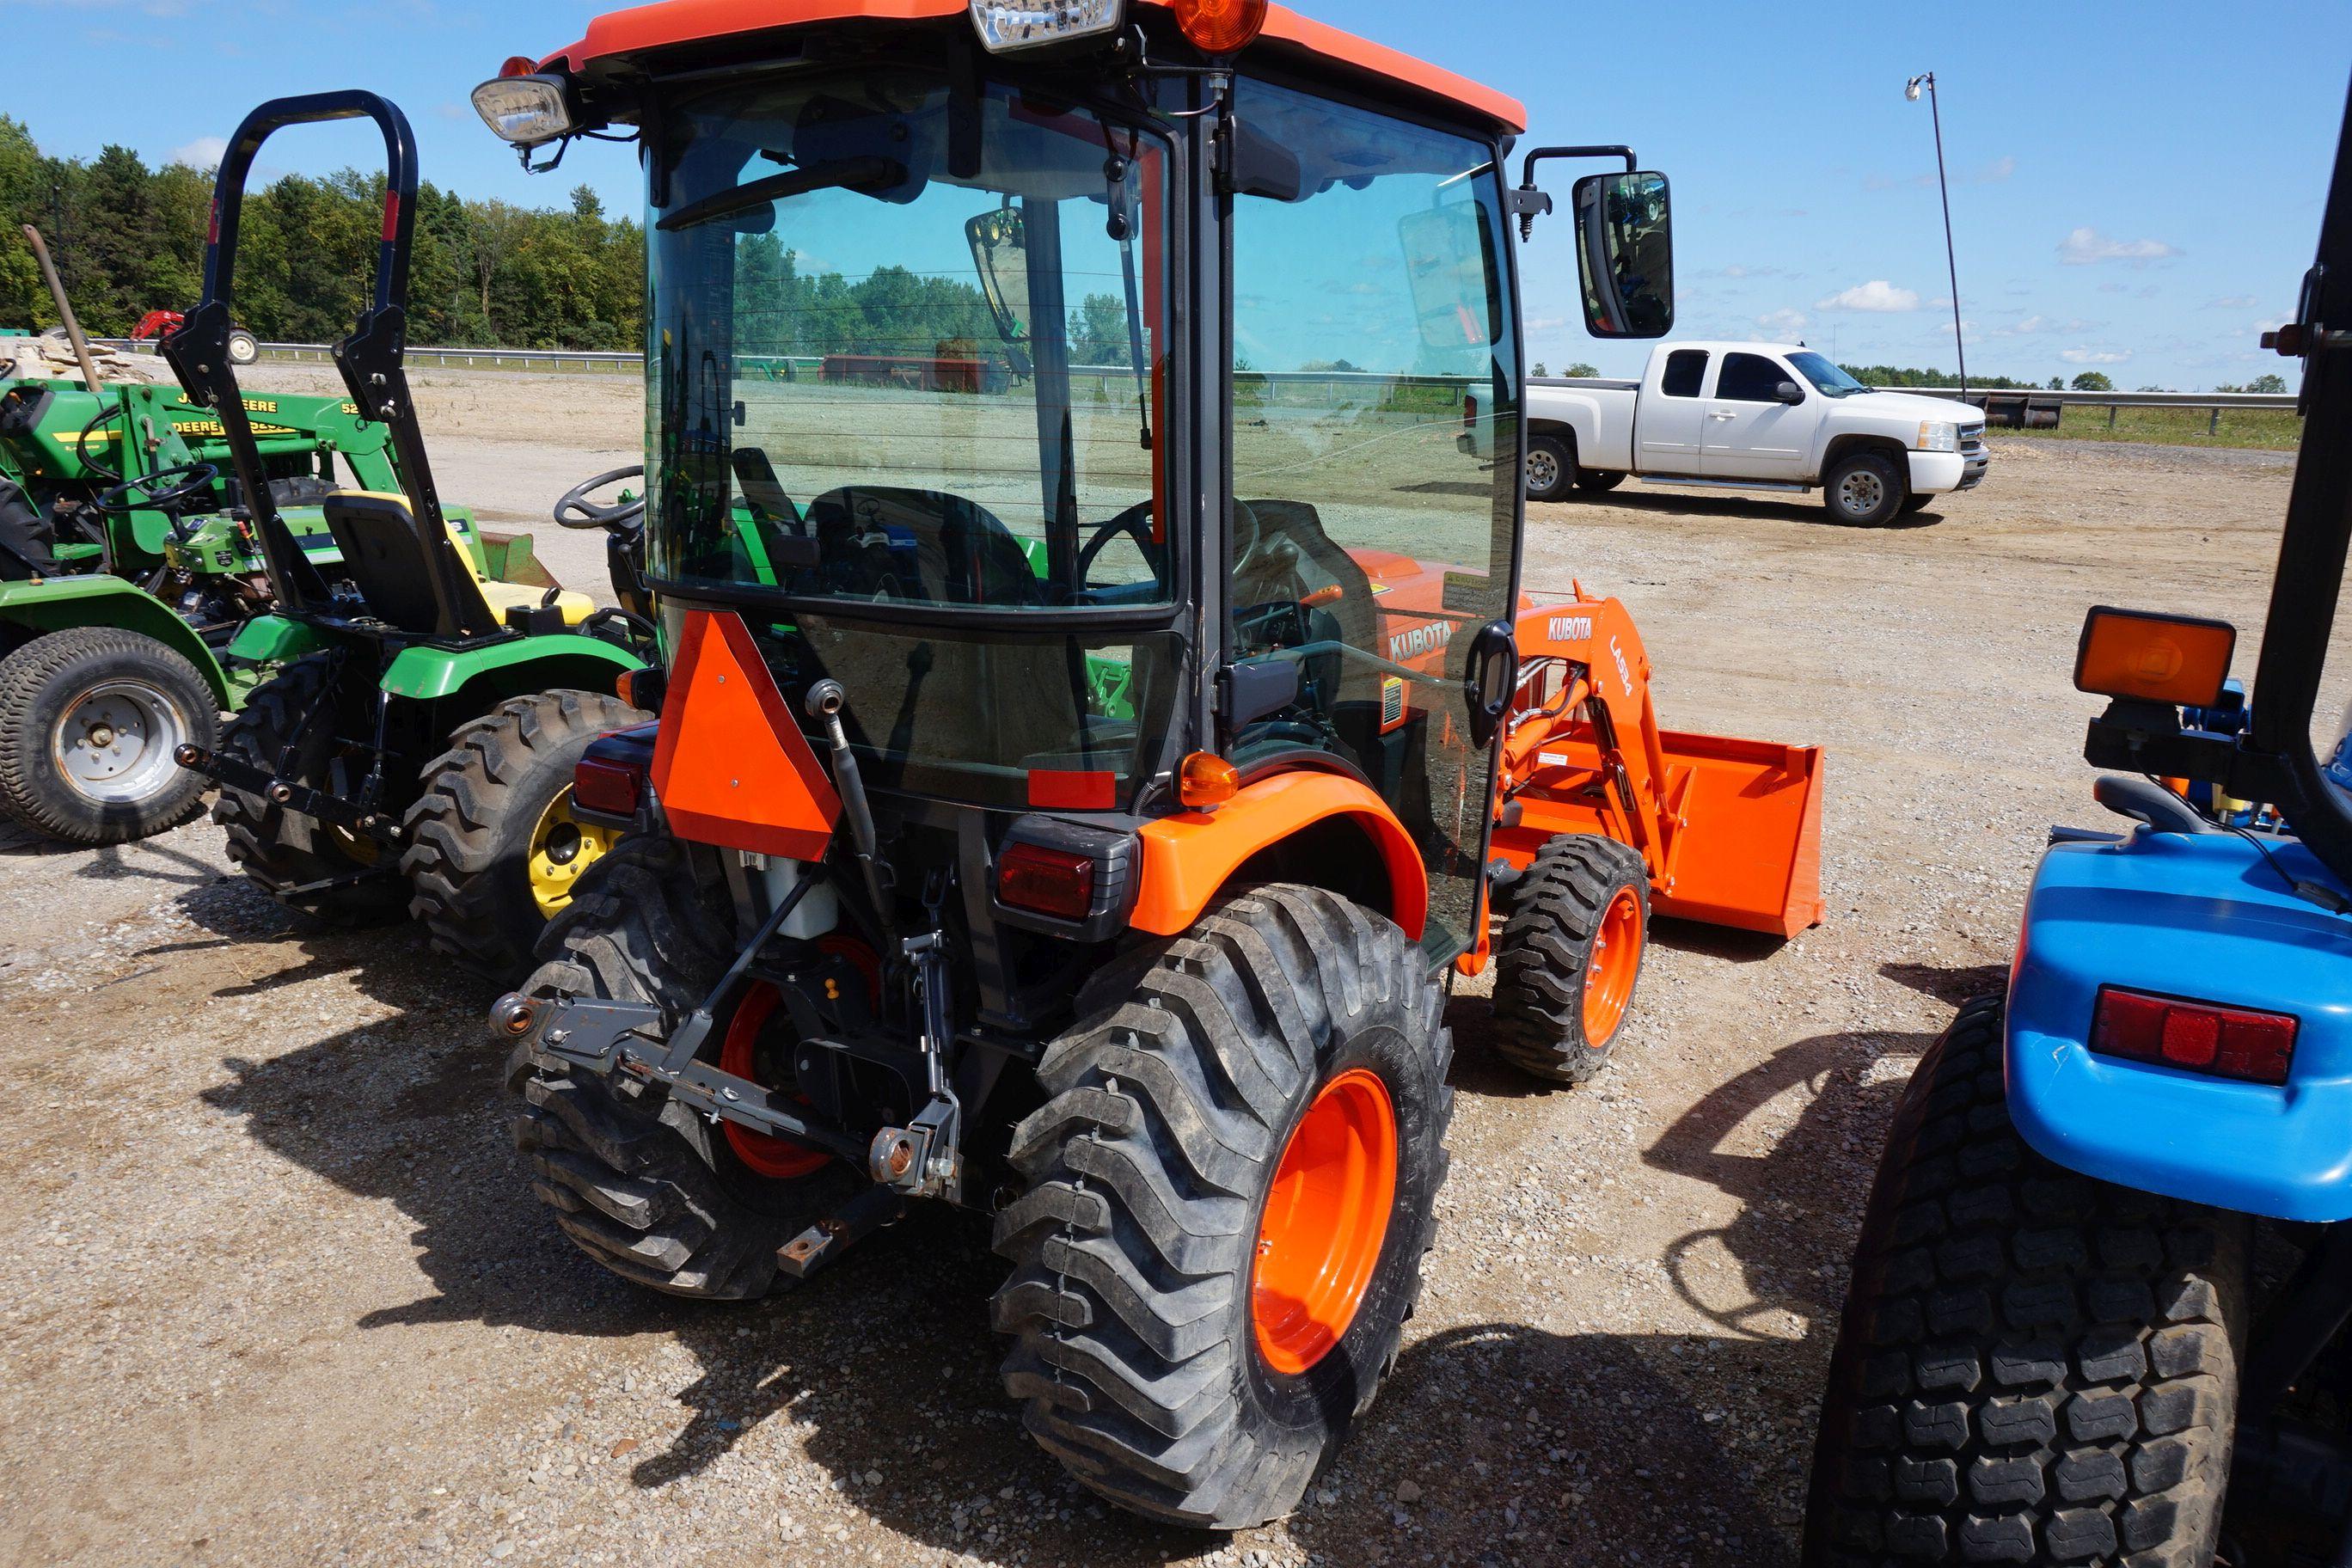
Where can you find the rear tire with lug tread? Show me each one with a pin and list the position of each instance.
(2033, 1365)
(1575, 932)
(283, 850)
(65, 693)
(644, 1186)
(492, 851)
(1866, 489)
(1168, 1214)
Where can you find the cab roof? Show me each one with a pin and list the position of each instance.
(670, 22)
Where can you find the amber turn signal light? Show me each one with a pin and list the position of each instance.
(643, 688)
(1207, 781)
(2178, 659)
(1220, 27)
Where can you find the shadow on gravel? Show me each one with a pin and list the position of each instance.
(1954, 986)
(1809, 510)
(1800, 1196)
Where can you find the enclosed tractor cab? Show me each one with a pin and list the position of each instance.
(1099, 724)
(416, 748)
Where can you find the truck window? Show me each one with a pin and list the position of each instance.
(1749, 378)
(1685, 373)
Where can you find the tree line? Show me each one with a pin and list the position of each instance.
(128, 239)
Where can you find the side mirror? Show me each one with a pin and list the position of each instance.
(1788, 392)
(1625, 254)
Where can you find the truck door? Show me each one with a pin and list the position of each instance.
(1669, 417)
(1751, 433)
(1372, 314)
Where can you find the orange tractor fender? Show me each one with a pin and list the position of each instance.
(1188, 857)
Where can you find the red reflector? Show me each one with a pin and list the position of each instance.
(604, 786)
(1057, 791)
(391, 216)
(2226, 1042)
(1049, 882)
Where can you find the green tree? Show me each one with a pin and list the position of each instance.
(2093, 381)
(1581, 368)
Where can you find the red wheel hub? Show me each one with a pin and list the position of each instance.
(739, 1053)
(1610, 971)
(1327, 1218)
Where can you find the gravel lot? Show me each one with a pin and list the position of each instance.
(280, 1296)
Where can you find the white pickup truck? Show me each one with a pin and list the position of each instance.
(1752, 416)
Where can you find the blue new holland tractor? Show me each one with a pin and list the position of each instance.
(2097, 1307)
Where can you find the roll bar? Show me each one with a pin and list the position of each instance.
(369, 359)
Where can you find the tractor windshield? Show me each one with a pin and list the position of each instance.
(906, 386)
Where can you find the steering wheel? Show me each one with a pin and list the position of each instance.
(166, 489)
(576, 510)
(1135, 523)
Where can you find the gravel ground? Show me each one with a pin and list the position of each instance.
(280, 1296)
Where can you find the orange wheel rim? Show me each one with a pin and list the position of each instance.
(1608, 974)
(1326, 1217)
(764, 1153)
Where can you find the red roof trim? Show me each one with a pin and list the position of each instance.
(688, 21)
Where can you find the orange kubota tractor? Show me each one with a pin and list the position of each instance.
(1080, 776)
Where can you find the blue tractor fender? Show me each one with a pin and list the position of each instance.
(2210, 917)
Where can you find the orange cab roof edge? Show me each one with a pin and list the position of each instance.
(671, 22)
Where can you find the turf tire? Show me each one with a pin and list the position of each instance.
(41, 684)
(644, 1186)
(284, 852)
(2034, 1366)
(1544, 955)
(1134, 1352)
(470, 833)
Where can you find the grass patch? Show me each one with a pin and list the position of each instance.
(2269, 429)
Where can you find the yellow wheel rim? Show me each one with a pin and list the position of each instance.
(360, 849)
(562, 846)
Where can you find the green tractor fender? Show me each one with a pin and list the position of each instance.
(553, 661)
(38, 607)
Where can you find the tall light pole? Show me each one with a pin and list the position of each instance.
(1935, 110)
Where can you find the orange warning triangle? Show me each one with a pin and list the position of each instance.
(730, 766)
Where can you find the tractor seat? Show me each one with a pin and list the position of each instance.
(408, 580)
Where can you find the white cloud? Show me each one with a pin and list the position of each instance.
(2086, 246)
(1877, 294)
(1545, 323)
(203, 152)
(2093, 356)
(1783, 322)
(2234, 302)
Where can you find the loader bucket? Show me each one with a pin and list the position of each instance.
(1750, 851)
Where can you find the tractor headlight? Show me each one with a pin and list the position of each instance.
(524, 109)
(1009, 26)
(1934, 436)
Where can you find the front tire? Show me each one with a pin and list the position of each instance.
(644, 1186)
(1575, 931)
(494, 851)
(1230, 1196)
(89, 718)
(243, 348)
(2034, 1366)
(1866, 490)
(1551, 468)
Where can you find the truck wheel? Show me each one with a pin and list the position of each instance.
(1865, 488)
(242, 347)
(1575, 929)
(89, 720)
(328, 872)
(1551, 468)
(644, 1186)
(2034, 1366)
(1599, 481)
(1229, 1194)
(494, 851)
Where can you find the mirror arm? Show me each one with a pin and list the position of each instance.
(1528, 204)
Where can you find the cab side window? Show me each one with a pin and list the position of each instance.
(1685, 373)
(1750, 378)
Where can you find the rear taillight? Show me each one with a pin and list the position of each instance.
(1470, 413)
(1057, 882)
(2194, 1037)
(607, 787)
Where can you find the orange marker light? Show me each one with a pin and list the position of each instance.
(1221, 27)
(518, 65)
(2180, 660)
(1207, 781)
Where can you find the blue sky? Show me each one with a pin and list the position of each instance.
(2136, 187)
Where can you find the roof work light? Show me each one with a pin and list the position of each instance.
(1007, 27)
(524, 109)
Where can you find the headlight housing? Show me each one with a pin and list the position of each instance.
(1936, 435)
(1007, 27)
(524, 109)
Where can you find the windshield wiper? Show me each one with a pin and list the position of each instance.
(867, 173)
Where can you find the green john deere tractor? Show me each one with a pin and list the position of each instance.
(417, 745)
